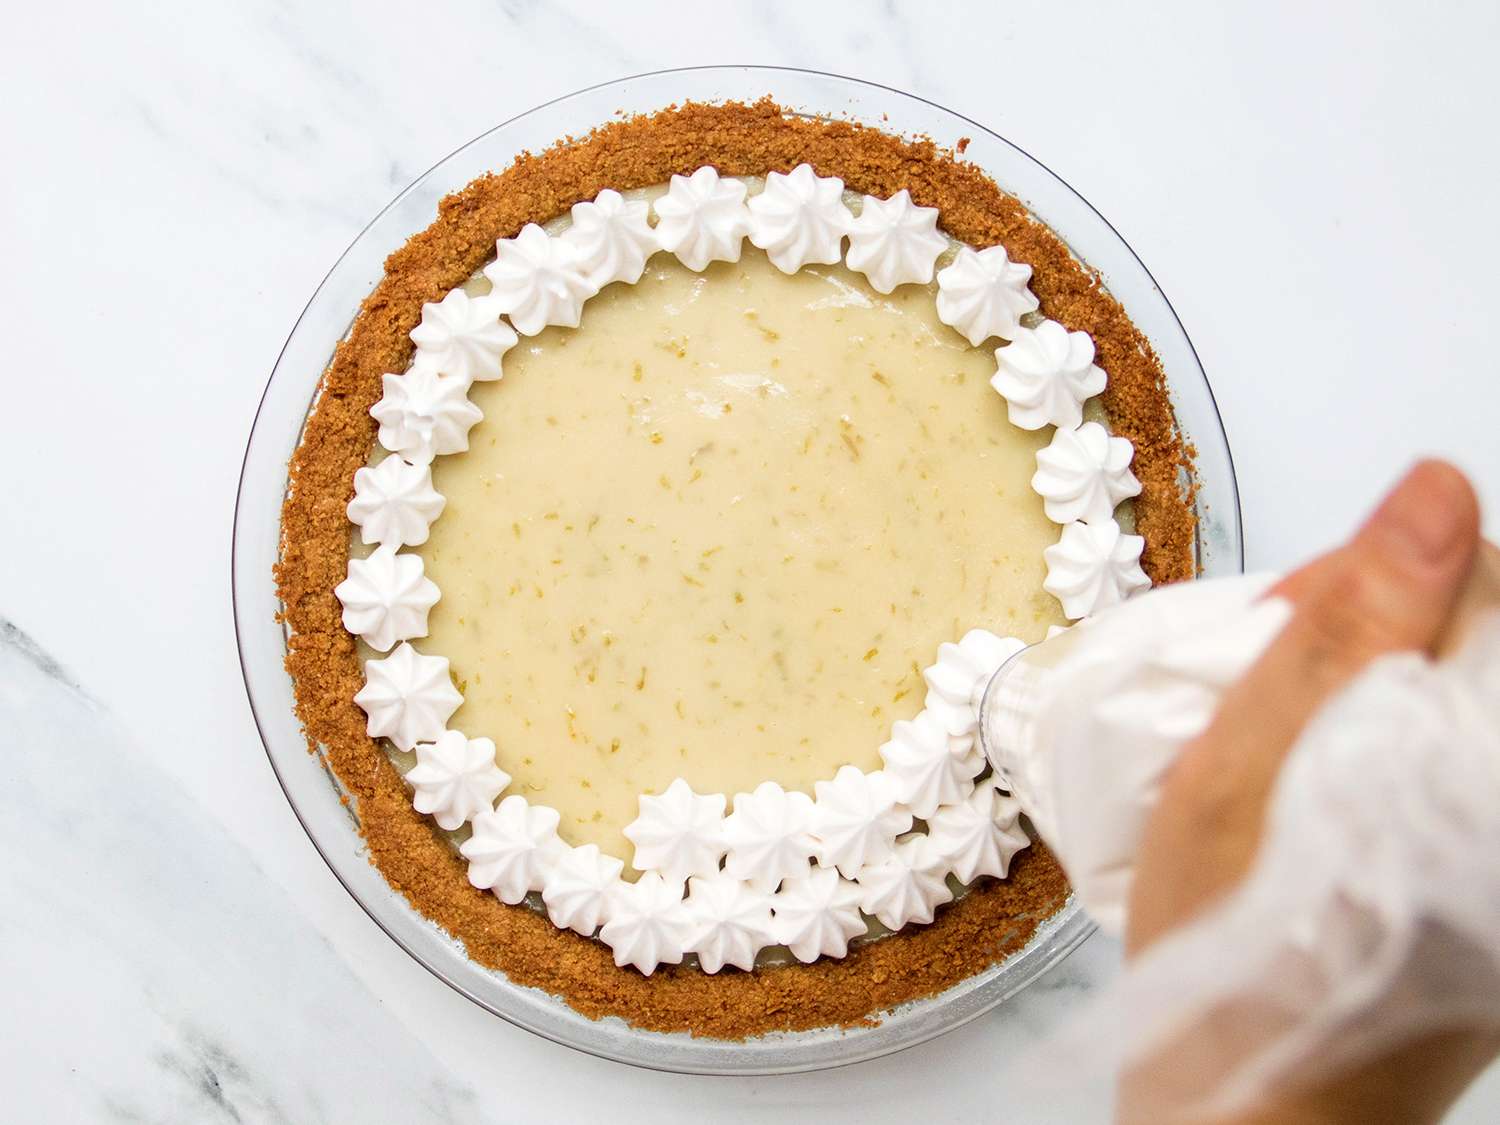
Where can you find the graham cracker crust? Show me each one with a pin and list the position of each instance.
(995, 919)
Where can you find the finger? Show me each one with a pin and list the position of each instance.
(1391, 589)
(1432, 483)
(1296, 585)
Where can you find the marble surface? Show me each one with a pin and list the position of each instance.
(1313, 189)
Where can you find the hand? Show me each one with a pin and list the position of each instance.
(1391, 588)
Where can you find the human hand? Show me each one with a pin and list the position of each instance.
(1391, 588)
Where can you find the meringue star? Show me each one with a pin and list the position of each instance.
(1046, 374)
(728, 922)
(983, 293)
(906, 888)
(767, 835)
(455, 778)
(893, 241)
(703, 219)
(1094, 566)
(977, 836)
(650, 924)
(424, 414)
(856, 819)
(612, 237)
(961, 673)
(799, 218)
(816, 914)
(1084, 473)
(536, 280)
(927, 766)
(407, 697)
(512, 848)
(581, 889)
(678, 833)
(464, 336)
(386, 598)
(394, 503)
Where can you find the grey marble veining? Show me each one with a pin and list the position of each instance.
(181, 177)
(166, 978)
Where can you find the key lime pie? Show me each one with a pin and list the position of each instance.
(653, 528)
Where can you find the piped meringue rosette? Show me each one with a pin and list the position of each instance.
(720, 878)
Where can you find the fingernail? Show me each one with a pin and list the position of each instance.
(1421, 519)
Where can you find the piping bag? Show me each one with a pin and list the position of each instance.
(1372, 911)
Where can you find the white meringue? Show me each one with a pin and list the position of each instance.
(581, 889)
(612, 237)
(650, 924)
(974, 761)
(905, 888)
(455, 778)
(463, 336)
(536, 280)
(678, 833)
(982, 293)
(424, 414)
(1046, 374)
(927, 766)
(703, 218)
(767, 835)
(977, 836)
(1094, 566)
(816, 914)
(1084, 473)
(513, 847)
(893, 241)
(856, 819)
(729, 922)
(407, 697)
(394, 503)
(386, 598)
(799, 218)
(961, 671)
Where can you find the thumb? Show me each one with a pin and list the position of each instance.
(1392, 588)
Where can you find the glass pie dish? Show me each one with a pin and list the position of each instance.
(314, 793)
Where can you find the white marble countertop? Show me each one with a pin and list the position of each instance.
(1313, 185)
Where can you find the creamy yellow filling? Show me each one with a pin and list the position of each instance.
(716, 531)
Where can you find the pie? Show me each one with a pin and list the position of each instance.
(653, 530)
